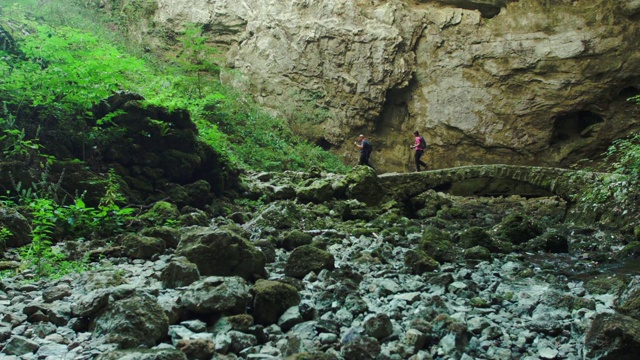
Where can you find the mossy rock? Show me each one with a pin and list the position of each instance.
(612, 336)
(387, 219)
(475, 236)
(180, 272)
(418, 262)
(317, 191)
(517, 229)
(478, 253)
(438, 244)
(197, 194)
(429, 203)
(552, 242)
(280, 215)
(362, 185)
(170, 235)
(362, 231)
(306, 259)
(142, 247)
(606, 284)
(292, 239)
(271, 300)
(632, 250)
(193, 216)
(133, 321)
(18, 227)
(631, 306)
(160, 213)
(453, 213)
(478, 302)
(221, 252)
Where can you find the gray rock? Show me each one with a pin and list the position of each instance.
(19, 345)
(180, 272)
(290, 318)
(378, 326)
(54, 293)
(221, 252)
(215, 294)
(133, 321)
(241, 341)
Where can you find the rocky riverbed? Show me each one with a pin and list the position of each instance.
(301, 273)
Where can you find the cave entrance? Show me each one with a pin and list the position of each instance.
(573, 126)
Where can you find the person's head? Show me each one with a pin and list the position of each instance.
(416, 133)
(361, 137)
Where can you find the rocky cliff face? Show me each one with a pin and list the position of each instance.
(540, 82)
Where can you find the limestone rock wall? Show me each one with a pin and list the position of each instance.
(539, 82)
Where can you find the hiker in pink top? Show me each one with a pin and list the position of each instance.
(420, 145)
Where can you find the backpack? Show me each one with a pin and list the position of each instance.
(423, 143)
(368, 148)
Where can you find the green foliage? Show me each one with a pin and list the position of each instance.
(196, 58)
(51, 221)
(619, 190)
(624, 156)
(40, 255)
(67, 70)
(4, 236)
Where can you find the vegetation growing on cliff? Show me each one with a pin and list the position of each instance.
(620, 190)
(61, 66)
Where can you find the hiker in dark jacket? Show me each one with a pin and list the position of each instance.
(419, 145)
(365, 150)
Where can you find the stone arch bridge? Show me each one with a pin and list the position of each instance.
(492, 180)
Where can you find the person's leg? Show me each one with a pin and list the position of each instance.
(363, 159)
(419, 161)
(416, 157)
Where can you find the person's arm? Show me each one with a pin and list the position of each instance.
(415, 145)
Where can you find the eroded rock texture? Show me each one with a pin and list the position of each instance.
(486, 81)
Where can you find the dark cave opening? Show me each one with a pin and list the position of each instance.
(324, 144)
(574, 125)
(628, 92)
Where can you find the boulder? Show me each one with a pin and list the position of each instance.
(217, 295)
(17, 225)
(477, 253)
(160, 213)
(170, 235)
(142, 247)
(419, 262)
(613, 337)
(631, 305)
(306, 259)
(378, 326)
(271, 300)
(362, 185)
(438, 244)
(317, 191)
(292, 239)
(221, 252)
(133, 321)
(180, 272)
(517, 229)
